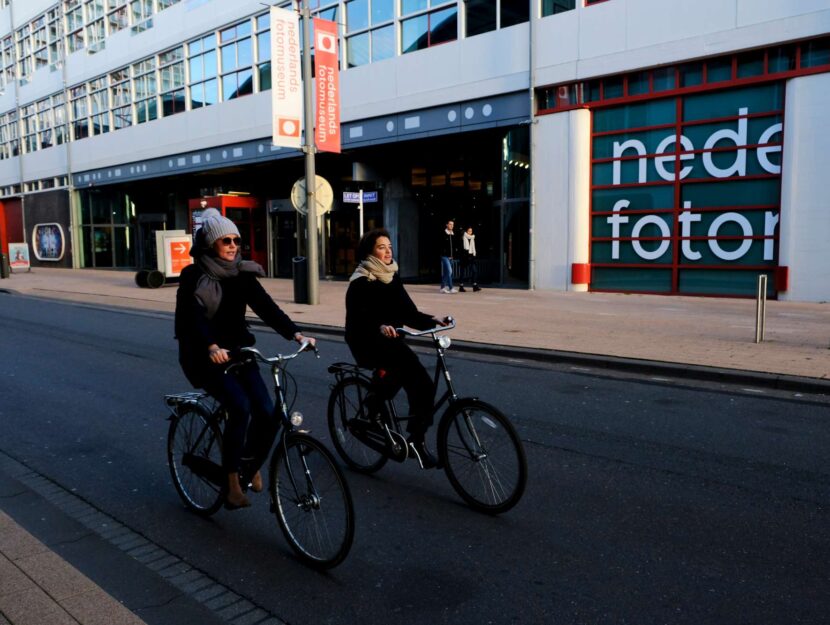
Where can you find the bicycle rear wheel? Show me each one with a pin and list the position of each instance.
(194, 455)
(482, 456)
(312, 501)
(346, 404)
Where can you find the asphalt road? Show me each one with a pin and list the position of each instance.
(648, 501)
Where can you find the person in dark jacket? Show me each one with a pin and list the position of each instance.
(210, 324)
(376, 304)
(447, 246)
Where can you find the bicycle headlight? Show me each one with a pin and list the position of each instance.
(296, 418)
(444, 341)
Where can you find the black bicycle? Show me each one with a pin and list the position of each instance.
(478, 447)
(308, 491)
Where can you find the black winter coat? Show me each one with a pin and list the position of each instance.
(228, 328)
(370, 305)
(448, 245)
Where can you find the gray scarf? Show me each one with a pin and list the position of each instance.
(373, 269)
(209, 288)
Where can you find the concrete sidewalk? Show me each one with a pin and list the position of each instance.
(38, 587)
(704, 332)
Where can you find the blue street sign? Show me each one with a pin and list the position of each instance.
(353, 197)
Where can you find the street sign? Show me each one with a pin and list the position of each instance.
(353, 197)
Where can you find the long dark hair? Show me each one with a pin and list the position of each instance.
(367, 243)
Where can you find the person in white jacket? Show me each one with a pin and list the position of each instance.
(469, 267)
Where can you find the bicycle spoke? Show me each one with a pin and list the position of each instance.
(313, 505)
(483, 457)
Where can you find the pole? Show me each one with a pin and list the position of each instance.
(360, 213)
(308, 148)
(531, 24)
(761, 308)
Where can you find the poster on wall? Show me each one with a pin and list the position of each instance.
(48, 242)
(19, 257)
(685, 195)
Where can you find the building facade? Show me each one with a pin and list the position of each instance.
(647, 146)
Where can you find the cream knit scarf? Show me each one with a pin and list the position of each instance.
(470, 243)
(373, 269)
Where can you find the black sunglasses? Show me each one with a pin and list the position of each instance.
(235, 240)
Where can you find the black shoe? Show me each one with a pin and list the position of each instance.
(461, 289)
(476, 288)
(417, 449)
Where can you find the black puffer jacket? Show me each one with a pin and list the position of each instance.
(228, 328)
(370, 305)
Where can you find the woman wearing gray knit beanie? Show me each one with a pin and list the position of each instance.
(213, 296)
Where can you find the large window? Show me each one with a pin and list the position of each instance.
(236, 49)
(40, 42)
(117, 16)
(121, 98)
(263, 54)
(73, 12)
(140, 10)
(685, 192)
(427, 27)
(145, 90)
(55, 34)
(171, 72)
(45, 131)
(9, 135)
(24, 53)
(99, 105)
(95, 25)
(513, 12)
(29, 120)
(370, 31)
(552, 7)
(204, 89)
(79, 111)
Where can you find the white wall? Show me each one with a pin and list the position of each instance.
(622, 35)
(561, 166)
(805, 202)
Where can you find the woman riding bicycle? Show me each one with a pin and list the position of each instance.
(376, 304)
(210, 324)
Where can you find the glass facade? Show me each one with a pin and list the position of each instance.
(685, 192)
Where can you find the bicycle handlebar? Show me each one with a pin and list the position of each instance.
(274, 360)
(450, 325)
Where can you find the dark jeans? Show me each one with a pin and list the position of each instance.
(469, 269)
(252, 424)
(399, 367)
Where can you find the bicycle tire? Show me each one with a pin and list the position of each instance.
(312, 501)
(344, 405)
(194, 455)
(482, 456)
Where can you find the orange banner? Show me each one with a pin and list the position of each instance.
(327, 79)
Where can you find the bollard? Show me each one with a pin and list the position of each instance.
(761, 308)
(5, 269)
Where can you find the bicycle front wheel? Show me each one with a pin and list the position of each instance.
(312, 501)
(194, 454)
(482, 456)
(347, 408)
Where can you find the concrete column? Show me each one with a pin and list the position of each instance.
(804, 225)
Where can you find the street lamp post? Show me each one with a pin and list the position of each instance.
(308, 148)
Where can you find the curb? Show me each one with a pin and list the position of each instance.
(776, 381)
(622, 364)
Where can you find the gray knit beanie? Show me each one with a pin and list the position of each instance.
(215, 226)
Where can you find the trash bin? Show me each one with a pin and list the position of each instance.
(5, 270)
(299, 265)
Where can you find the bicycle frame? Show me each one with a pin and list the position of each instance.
(342, 370)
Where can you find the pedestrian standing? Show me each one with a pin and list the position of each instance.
(469, 267)
(448, 254)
